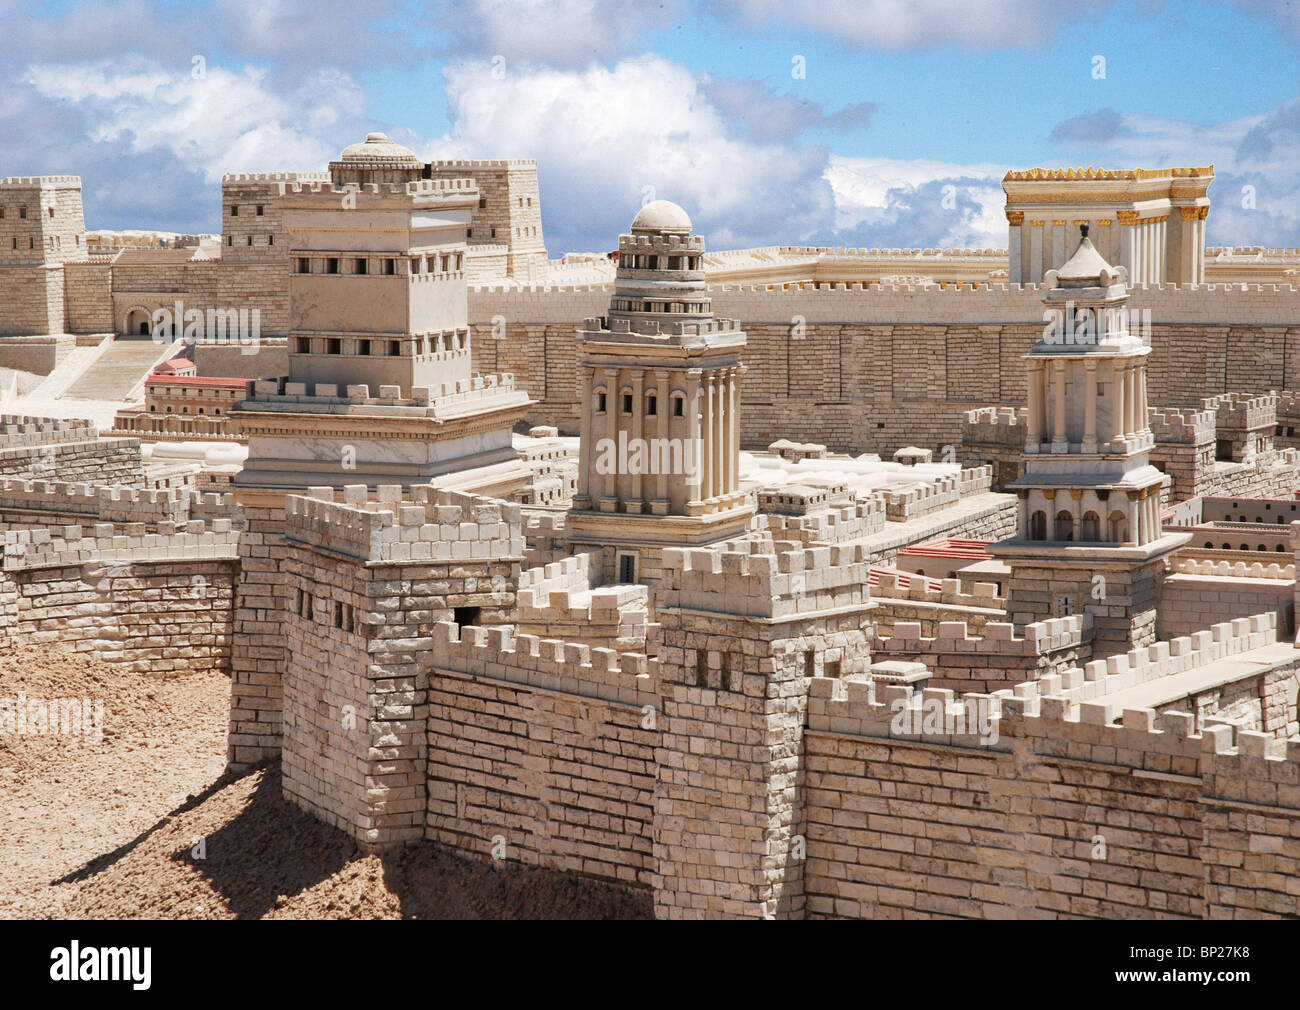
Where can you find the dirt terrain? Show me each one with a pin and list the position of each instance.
(108, 829)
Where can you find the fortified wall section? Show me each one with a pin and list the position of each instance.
(1064, 816)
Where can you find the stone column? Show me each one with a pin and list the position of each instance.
(733, 430)
(1201, 214)
(1016, 268)
(587, 434)
(1117, 399)
(1035, 252)
(1034, 431)
(664, 411)
(1128, 243)
(707, 436)
(1060, 240)
(1060, 441)
(693, 410)
(611, 425)
(638, 433)
(1090, 407)
(721, 439)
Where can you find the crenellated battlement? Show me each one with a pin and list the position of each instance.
(984, 595)
(547, 664)
(1233, 569)
(1007, 426)
(595, 327)
(1069, 707)
(657, 242)
(470, 163)
(909, 503)
(997, 639)
(439, 525)
(110, 545)
(235, 178)
(21, 430)
(112, 503)
(829, 525)
(1242, 410)
(41, 182)
(749, 578)
(1173, 426)
(466, 188)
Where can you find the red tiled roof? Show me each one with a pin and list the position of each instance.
(197, 380)
(950, 547)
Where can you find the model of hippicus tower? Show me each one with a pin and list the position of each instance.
(660, 397)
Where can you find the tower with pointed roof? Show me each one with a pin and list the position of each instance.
(660, 405)
(1090, 537)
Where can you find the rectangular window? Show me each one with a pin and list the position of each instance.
(600, 403)
(259, 210)
(482, 202)
(701, 668)
(304, 265)
(627, 568)
(334, 346)
(363, 347)
(390, 267)
(651, 405)
(627, 403)
(679, 407)
(394, 348)
(234, 210)
(332, 265)
(360, 266)
(302, 345)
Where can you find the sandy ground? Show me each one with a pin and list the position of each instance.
(107, 829)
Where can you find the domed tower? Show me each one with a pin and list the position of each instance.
(375, 159)
(660, 405)
(1090, 536)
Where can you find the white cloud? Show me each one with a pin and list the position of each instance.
(571, 33)
(1261, 152)
(606, 138)
(905, 24)
(223, 121)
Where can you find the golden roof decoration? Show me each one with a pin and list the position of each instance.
(1058, 174)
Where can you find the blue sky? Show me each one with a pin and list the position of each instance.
(689, 100)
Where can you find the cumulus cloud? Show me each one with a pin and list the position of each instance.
(1255, 197)
(765, 115)
(220, 121)
(892, 203)
(569, 33)
(608, 138)
(905, 24)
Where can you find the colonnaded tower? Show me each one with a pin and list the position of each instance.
(1090, 537)
(660, 460)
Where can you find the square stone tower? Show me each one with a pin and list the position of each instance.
(660, 429)
(41, 220)
(380, 387)
(1090, 536)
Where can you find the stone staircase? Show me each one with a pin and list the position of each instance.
(119, 370)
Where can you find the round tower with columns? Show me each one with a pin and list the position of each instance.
(660, 405)
(1090, 538)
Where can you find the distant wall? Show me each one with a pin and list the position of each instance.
(876, 369)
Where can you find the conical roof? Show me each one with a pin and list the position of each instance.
(1085, 267)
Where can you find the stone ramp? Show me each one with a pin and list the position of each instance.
(122, 367)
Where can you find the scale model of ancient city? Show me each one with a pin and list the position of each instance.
(780, 582)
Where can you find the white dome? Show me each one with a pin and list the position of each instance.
(662, 215)
(377, 147)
